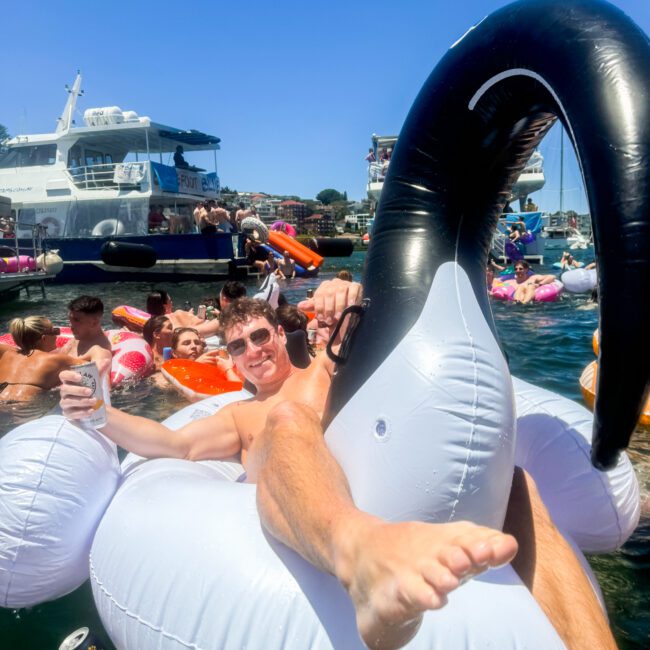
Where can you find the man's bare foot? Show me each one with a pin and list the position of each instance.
(394, 572)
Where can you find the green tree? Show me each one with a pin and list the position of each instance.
(329, 196)
(4, 134)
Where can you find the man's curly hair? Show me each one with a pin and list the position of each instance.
(243, 310)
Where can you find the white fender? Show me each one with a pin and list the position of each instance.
(55, 483)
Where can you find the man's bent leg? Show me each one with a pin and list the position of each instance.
(393, 572)
(550, 569)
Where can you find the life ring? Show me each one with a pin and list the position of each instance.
(256, 228)
(132, 356)
(108, 227)
(131, 317)
(197, 381)
(544, 293)
(283, 226)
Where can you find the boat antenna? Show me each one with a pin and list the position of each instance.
(64, 122)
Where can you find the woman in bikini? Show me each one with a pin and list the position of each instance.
(30, 369)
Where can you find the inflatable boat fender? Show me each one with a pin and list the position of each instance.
(118, 253)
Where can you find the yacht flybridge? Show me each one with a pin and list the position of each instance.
(103, 179)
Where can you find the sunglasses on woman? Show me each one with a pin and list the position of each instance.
(258, 337)
(53, 331)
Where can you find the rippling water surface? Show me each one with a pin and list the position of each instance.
(547, 344)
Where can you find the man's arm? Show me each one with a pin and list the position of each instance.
(213, 437)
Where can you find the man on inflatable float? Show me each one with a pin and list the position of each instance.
(422, 430)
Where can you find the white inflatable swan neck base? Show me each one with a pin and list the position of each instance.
(430, 435)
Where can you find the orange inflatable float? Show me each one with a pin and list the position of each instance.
(301, 254)
(197, 380)
(588, 380)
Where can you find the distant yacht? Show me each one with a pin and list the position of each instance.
(103, 180)
(531, 179)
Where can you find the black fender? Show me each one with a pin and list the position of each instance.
(117, 253)
(332, 246)
(484, 108)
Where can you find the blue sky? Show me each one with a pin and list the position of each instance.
(293, 89)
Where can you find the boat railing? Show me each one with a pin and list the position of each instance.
(125, 175)
(25, 246)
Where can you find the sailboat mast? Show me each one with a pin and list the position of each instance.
(561, 171)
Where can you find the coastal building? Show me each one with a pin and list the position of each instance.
(294, 212)
(322, 225)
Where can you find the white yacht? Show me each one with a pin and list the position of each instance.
(102, 180)
(531, 178)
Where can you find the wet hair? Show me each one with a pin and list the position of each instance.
(179, 331)
(87, 305)
(27, 332)
(243, 310)
(344, 274)
(156, 302)
(233, 290)
(523, 263)
(153, 326)
(291, 318)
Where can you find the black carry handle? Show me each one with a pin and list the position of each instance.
(358, 310)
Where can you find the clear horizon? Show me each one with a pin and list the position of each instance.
(293, 91)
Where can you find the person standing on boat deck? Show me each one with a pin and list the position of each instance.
(222, 218)
(393, 572)
(240, 215)
(530, 206)
(371, 156)
(179, 158)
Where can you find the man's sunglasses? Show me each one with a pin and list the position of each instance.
(258, 337)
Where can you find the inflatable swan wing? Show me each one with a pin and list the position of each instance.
(486, 106)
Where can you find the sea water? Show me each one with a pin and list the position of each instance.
(547, 344)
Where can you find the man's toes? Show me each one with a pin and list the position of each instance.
(441, 579)
(504, 549)
(457, 561)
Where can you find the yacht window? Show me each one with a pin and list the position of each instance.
(94, 158)
(75, 157)
(43, 154)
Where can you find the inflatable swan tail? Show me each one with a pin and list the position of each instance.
(532, 63)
